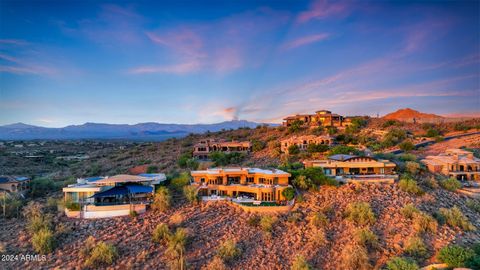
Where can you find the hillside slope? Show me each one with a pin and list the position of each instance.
(408, 115)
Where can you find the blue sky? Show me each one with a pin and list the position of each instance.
(70, 62)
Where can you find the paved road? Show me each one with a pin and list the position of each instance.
(430, 142)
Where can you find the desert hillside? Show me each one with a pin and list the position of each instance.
(408, 115)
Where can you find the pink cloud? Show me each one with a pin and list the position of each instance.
(184, 41)
(173, 69)
(321, 9)
(22, 66)
(306, 40)
(221, 46)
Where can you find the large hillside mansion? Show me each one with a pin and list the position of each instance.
(252, 183)
(118, 195)
(320, 118)
(303, 141)
(202, 149)
(349, 168)
(456, 163)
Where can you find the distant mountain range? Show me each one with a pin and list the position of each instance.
(142, 131)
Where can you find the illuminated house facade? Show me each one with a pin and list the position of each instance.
(253, 183)
(320, 118)
(303, 141)
(456, 163)
(349, 168)
(100, 197)
(202, 149)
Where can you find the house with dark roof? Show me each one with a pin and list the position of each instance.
(14, 184)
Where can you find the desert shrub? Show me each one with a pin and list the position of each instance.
(431, 182)
(293, 149)
(180, 181)
(267, 222)
(455, 256)
(360, 213)
(319, 220)
(300, 263)
(176, 219)
(432, 132)
(366, 238)
(10, 204)
(295, 216)
(223, 159)
(394, 137)
(88, 245)
(409, 185)
(343, 149)
(474, 205)
(355, 257)
(313, 177)
(162, 199)
(253, 220)
(390, 123)
(190, 192)
(318, 237)
(101, 254)
(152, 169)
(412, 167)
(228, 250)
(409, 210)
(424, 223)
(161, 233)
(415, 247)
(187, 161)
(455, 218)
(302, 182)
(400, 263)
(288, 193)
(450, 184)
(176, 248)
(133, 214)
(215, 264)
(52, 204)
(32, 209)
(43, 241)
(257, 145)
(37, 223)
(406, 146)
(317, 148)
(405, 157)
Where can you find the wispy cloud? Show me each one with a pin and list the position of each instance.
(173, 69)
(17, 42)
(305, 40)
(22, 66)
(220, 46)
(322, 9)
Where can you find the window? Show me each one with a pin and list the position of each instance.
(250, 180)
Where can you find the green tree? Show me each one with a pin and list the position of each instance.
(293, 149)
(295, 126)
(288, 193)
(406, 146)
